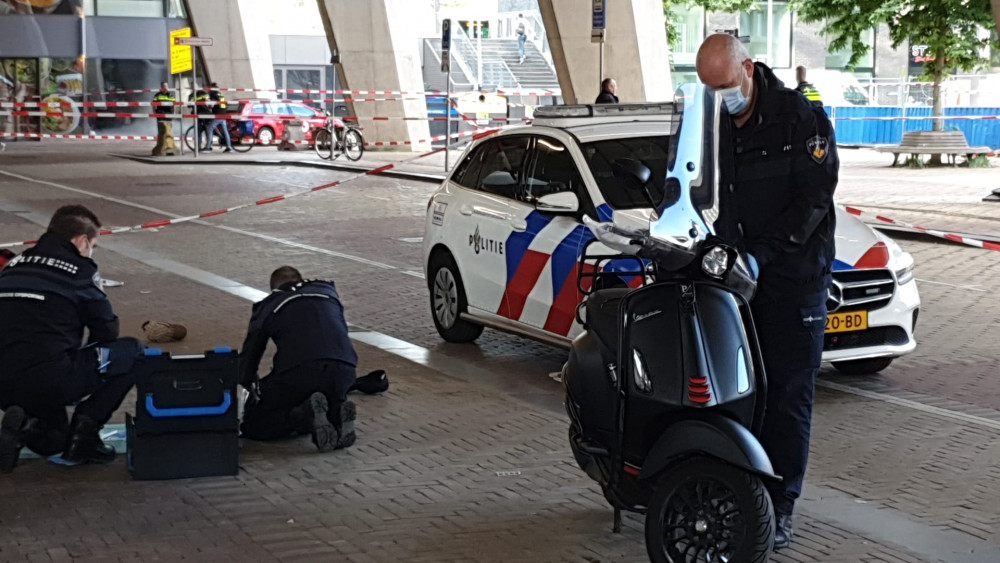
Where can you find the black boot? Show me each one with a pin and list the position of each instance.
(344, 424)
(300, 418)
(783, 531)
(84, 444)
(11, 438)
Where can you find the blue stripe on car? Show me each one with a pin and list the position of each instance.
(518, 242)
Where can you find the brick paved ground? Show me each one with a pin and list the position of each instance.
(422, 483)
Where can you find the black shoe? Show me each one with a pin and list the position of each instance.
(11, 438)
(324, 434)
(374, 382)
(84, 444)
(345, 429)
(783, 531)
(228, 149)
(300, 418)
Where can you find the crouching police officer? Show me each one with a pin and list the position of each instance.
(780, 212)
(48, 295)
(314, 365)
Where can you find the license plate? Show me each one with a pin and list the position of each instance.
(845, 322)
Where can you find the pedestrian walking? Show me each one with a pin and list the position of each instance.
(522, 36)
(779, 211)
(220, 109)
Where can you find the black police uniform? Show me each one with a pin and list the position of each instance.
(48, 295)
(314, 354)
(780, 210)
(202, 109)
(606, 97)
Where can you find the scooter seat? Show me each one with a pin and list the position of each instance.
(602, 317)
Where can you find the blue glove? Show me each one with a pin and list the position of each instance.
(752, 264)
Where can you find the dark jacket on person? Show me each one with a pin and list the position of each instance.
(168, 109)
(306, 322)
(220, 107)
(201, 96)
(780, 206)
(810, 92)
(48, 295)
(606, 97)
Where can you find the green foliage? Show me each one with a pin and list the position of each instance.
(669, 7)
(914, 161)
(950, 28)
(979, 161)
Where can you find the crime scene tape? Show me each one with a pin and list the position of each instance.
(119, 114)
(256, 141)
(264, 201)
(940, 234)
(543, 92)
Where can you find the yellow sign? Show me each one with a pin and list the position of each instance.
(181, 58)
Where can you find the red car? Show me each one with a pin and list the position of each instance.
(270, 116)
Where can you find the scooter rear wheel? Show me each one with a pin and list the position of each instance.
(705, 511)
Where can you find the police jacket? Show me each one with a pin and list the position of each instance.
(306, 322)
(220, 106)
(48, 295)
(201, 96)
(810, 92)
(779, 205)
(164, 97)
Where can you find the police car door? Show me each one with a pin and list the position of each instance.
(542, 258)
(486, 218)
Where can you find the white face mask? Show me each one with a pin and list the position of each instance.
(734, 98)
(90, 248)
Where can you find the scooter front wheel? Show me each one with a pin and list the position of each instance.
(705, 511)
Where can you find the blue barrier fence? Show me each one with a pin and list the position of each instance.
(978, 132)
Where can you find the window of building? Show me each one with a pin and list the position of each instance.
(837, 60)
(774, 50)
(689, 28)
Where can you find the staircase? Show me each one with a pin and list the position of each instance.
(534, 74)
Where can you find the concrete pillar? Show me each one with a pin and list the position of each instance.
(636, 53)
(241, 54)
(380, 49)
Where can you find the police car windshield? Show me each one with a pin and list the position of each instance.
(613, 161)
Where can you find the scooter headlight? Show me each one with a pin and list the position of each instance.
(715, 262)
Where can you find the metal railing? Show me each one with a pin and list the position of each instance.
(496, 73)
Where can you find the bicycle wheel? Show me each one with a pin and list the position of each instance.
(323, 143)
(189, 138)
(241, 143)
(353, 145)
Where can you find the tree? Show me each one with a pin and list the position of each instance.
(709, 5)
(952, 30)
(996, 14)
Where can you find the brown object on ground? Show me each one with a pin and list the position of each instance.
(159, 331)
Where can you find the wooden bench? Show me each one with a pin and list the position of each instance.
(950, 143)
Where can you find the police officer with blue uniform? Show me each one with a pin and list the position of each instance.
(48, 296)
(779, 210)
(314, 366)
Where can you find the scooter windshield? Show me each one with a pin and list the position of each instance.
(688, 212)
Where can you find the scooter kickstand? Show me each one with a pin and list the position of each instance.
(617, 526)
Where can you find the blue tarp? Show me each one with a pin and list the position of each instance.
(978, 132)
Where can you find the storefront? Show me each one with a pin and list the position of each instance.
(67, 51)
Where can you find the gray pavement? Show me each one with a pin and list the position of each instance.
(465, 458)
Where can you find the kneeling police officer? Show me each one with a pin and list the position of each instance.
(48, 295)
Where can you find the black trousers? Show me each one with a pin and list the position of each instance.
(45, 393)
(790, 329)
(267, 419)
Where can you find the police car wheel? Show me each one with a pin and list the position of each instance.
(448, 301)
(871, 366)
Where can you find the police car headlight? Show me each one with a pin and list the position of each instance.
(904, 269)
(715, 262)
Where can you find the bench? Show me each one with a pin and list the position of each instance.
(950, 143)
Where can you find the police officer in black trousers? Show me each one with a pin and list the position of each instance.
(780, 212)
(48, 296)
(314, 366)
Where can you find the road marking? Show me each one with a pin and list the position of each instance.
(162, 212)
(969, 287)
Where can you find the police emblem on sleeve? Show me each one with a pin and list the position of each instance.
(818, 148)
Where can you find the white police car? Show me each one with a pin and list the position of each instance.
(504, 235)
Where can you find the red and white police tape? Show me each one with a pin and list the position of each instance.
(257, 203)
(355, 92)
(940, 234)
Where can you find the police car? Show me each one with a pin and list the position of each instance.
(504, 235)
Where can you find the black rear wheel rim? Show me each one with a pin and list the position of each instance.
(703, 523)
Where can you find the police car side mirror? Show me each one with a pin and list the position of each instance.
(559, 202)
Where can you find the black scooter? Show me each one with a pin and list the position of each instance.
(666, 389)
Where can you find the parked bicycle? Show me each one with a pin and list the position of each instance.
(240, 134)
(336, 138)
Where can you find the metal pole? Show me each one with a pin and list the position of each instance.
(447, 109)
(600, 70)
(180, 97)
(479, 54)
(770, 32)
(83, 65)
(194, 96)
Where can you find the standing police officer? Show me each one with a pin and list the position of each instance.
(306, 392)
(780, 212)
(166, 97)
(807, 89)
(203, 111)
(220, 110)
(48, 295)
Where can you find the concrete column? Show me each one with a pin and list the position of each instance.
(380, 49)
(636, 53)
(241, 54)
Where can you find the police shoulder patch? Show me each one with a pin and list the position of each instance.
(818, 148)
